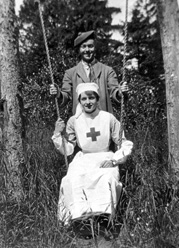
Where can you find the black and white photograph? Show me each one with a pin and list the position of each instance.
(89, 123)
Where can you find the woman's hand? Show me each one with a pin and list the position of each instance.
(121, 160)
(107, 164)
(59, 126)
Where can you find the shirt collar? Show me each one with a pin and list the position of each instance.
(87, 65)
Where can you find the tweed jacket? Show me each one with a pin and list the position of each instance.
(105, 77)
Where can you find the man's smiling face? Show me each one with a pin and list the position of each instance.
(87, 50)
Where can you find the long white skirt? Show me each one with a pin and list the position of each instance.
(87, 189)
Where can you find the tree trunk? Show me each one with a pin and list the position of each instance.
(168, 14)
(11, 125)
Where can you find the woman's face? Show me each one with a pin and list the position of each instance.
(88, 101)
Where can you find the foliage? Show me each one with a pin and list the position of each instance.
(144, 39)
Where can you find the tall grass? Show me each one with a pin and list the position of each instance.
(33, 222)
(148, 212)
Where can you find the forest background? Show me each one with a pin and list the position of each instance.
(149, 207)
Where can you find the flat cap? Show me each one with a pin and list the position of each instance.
(83, 36)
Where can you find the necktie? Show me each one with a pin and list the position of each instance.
(92, 77)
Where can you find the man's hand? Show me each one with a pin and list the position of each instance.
(107, 164)
(59, 126)
(124, 87)
(54, 90)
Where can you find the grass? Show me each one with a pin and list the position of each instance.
(148, 211)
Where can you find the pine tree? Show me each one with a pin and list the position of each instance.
(169, 26)
(12, 158)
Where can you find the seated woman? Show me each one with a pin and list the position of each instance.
(91, 186)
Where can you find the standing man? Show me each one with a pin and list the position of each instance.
(89, 70)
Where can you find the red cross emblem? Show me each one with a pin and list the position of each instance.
(92, 134)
